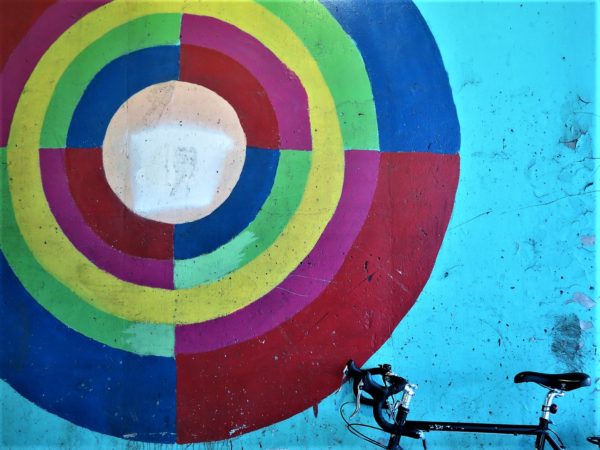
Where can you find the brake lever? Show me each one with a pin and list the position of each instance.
(344, 379)
(358, 394)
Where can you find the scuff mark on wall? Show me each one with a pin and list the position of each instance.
(582, 299)
(566, 341)
(588, 241)
(576, 116)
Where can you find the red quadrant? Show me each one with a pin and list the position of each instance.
(233, 82)
(102, 210)
(285, 91)
(251, 385)
(145, 271)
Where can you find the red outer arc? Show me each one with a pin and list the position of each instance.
(283, 372)
(107, 215)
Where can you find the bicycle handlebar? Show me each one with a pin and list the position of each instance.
(380, 393)
(391, 416)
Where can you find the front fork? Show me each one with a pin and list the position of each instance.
(402, 412)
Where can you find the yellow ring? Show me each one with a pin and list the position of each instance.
(142, 304)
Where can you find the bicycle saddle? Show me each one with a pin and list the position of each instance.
(561, 381)
(594, 440)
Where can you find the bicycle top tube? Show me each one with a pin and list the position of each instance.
(392, 384)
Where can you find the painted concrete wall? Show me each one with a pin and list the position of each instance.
(513, 286)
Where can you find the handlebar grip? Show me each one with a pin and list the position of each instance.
(380, 398)
(378, 391)
(378, 413)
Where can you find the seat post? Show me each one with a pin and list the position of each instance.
(548, 407)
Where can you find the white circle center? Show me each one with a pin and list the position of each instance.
(173, 152)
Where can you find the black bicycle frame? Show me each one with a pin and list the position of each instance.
(380, 395)
(414, 429)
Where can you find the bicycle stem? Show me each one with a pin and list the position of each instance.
(408, 394)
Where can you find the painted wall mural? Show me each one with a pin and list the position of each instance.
(208, 201)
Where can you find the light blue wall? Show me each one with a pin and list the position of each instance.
(523, 78)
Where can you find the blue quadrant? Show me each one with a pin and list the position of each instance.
(79, 379)
(413, 99)
(241, 207)
(113, 85)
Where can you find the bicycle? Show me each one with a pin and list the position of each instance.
(594, 440)
(391, 415)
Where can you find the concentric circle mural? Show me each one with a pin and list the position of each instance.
(207, 206)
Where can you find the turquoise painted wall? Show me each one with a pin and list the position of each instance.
(518, 250)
